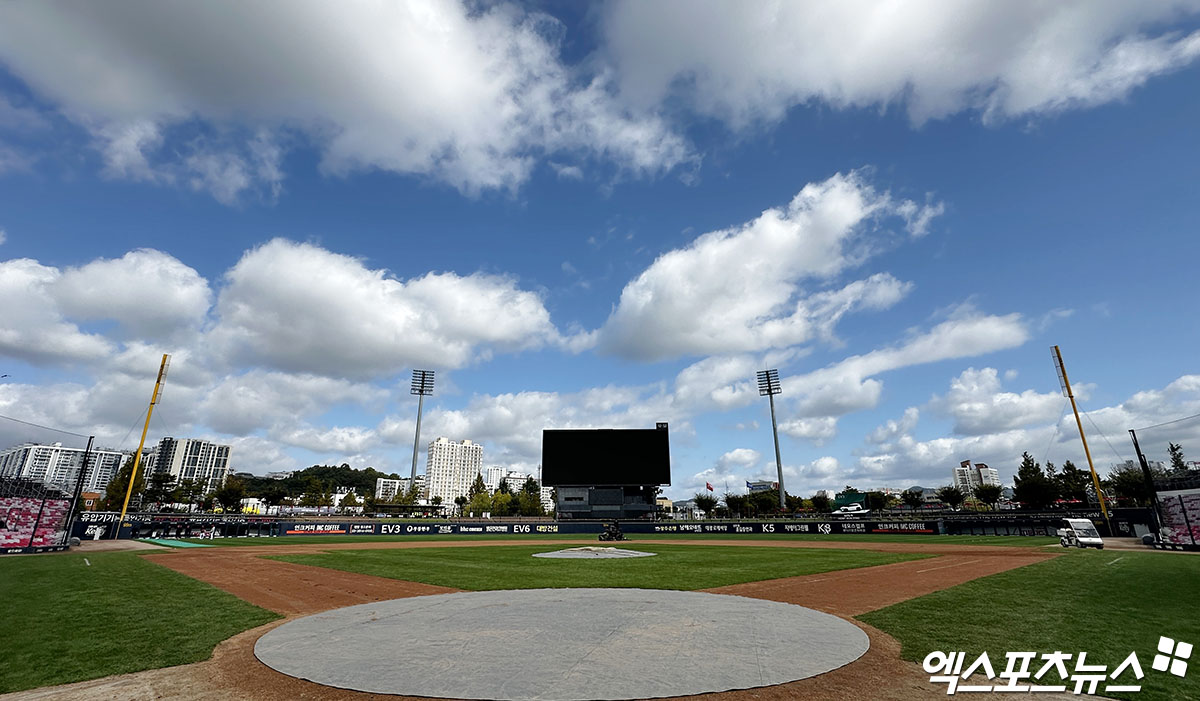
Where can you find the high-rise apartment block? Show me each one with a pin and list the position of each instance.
(451, 468)
(191, 459)
(56, 465)
(492, 476)
(968, 476)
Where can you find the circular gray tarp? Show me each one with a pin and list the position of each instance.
(563, 644)
(594, 553)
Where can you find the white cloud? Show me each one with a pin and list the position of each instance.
(148, 292)
(738, 459)
(737, 463)
(257, 399)
(32, 328)
(335, 441)
(904, 460)
(258, 455)
(817, 430)
(719, 382)
(300, 308)
(510, 425)
(894, 428)
(979, 406)
(125, 146)
(738, 289)
(845, 386)
(751, 62)
(469, 95)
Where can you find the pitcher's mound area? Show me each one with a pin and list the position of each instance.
(594, 553)
(569, 644)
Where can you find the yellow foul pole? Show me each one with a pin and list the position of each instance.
(137, 458)
(1062, 371)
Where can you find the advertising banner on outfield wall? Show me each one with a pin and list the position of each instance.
(814, 528)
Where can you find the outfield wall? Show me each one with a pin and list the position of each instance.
(175, 525)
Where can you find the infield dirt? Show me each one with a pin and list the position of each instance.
(296, 590)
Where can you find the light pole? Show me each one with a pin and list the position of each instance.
(422, 386)
(768, 384)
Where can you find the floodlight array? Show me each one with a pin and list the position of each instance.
(768, 382)
(422, 382)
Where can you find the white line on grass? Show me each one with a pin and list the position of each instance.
(1117, 560)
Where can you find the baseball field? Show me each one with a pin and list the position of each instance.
(182, 622)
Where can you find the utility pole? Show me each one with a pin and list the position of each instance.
(137, 458)
(1066, 388)
(768, 384)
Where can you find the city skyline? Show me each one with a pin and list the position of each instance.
(605, 216)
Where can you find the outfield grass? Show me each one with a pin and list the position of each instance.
(1105, 603)
(66, 621)
(1005, 541)
(674, 566)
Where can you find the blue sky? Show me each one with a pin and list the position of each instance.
(605, 215)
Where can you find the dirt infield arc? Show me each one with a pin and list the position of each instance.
(295, 590)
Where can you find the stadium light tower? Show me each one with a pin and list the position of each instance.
(768, 384)
(422, 386)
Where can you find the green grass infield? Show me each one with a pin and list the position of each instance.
(66, 620)
(1105, 603)
(673, 567)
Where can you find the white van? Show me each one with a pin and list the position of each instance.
(1080, 533)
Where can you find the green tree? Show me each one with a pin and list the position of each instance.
(349, 501)
(230, 495)
(736, 504)
(989, 494)
(705, 502)
(273, 495)
(480, 504)
(114, 494)
(877, 501)
(460, 501)
(529, 503)
(1128, 482)
(1073, 482)
(764, 502)
(1178, 466)
(189, 492)
(822, 503)
(477, 488)
(912, 498)
(503, 487)
(951, 496)
(159, 487)
(502, 503)
(1033, 488)
(310, 499)
(436, 500)
(531, 487)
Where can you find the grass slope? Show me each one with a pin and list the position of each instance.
(514, 567)
(1105, 603)
(67, 621)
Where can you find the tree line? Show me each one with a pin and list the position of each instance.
(1036, 487)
